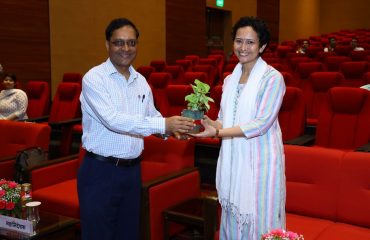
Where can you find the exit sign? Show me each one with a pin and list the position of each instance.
(219, 3)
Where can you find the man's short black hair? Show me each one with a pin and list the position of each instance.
(118, 23)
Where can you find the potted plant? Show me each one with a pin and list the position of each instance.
(197, 103)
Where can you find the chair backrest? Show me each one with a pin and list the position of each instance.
(282, 51)
(194, 59)
(354, 182)
(333, 62)
(292, 114)
(295, 60)
(189, 77)
(72, 77)
(344, 119)
(353, 73)
(176, 99)
(162, 157)
(313, 50)
(159, 65)
(321, 56)
(16, 136)
(145, 71)
(159, 82)
(289, 79)
(310, 174)
(320, 83)
(304, 69)
(343, 50)
(216, 93)
(359, 55)
(211, 72)
(66, 103)
(185, 63)
(38, 93)
(177, 73)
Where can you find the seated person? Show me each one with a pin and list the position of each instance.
(13, 102)
(303, 47)
(332, 44)
(355, 46)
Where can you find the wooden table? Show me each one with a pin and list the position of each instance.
(51, 226)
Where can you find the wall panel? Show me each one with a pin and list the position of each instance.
(24, 39)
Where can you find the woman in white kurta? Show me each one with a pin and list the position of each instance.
(13, 102)
(250, 177)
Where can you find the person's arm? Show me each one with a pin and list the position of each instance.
(271, 99)
(270, 102)
(99, 101)
(22, 103)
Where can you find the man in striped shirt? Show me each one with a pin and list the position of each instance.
(117, 112)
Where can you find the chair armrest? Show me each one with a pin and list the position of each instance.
(364, 148)
(304, 140)
(54, 171)
(162, 193)
(39, 119)
(68, 122)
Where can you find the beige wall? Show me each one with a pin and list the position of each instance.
(344, 14)
(304, 18)
(77, 32)
(299, 19)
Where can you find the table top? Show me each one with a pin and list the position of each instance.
(49, 222)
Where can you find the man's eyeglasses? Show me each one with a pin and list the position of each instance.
(121, 42)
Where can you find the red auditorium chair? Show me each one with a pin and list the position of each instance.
(166, 165)
(65, 112)
(229, 67)
(292, 115)
(282, 51)
(189, 77)
(145, 71)
(194, 59)
(72, 77)
(270, 60)
(333, 63)
(312, 51)
(216, 93)
(321, 56)
(343, 50)
(16, 136)
(359, 55)
(185, 63)
(269, 55)
(290, 80)
(159, 65)
(38, 93)
(176, 99)
(220, 62)
(344, 119)
(304, 70)
(315, 95)
(353, 73)
(366, 78)
(278, 66)
(211, 72)
(177, 74)
(159, 82)
(295, 60)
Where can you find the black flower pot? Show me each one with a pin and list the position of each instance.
(197, 115)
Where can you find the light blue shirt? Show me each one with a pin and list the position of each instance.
(117, 113)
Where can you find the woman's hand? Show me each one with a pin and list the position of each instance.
(209, 129)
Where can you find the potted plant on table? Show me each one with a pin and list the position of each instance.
(198, 103)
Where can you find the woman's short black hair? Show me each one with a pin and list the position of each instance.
(118, 23)
(258, 25)
(10, 75)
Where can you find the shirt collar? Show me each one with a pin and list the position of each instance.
(112, 70)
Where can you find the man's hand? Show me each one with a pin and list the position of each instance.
(179, 124)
